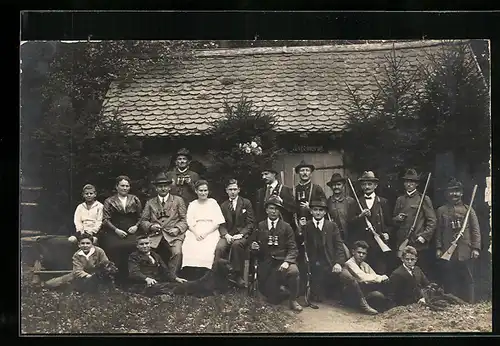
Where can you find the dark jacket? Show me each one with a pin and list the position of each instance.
(426, 222)
(183, 184)
(307, 193)
(405, 289)
(343, 213)
(140, 267)
(288, 203)
(328, 240)
(241, 221)
(285, 251)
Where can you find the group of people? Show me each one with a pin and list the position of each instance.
(293, 233)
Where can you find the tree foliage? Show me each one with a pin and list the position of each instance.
(243, 123)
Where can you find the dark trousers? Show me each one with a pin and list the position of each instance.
(427, 262)
(270, 282)
(354, 292)
(380, 261)
(324, 283)
(458, 278)
(237, 251)
(171, 254)
(156, 289)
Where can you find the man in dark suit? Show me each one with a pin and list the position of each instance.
(458, 272)
(273, 187)
(325, 251)
(407, 281)
(183, 177)
(274, 244)
(405, 210)
(164, 219)
(238, 213)
(378, 212)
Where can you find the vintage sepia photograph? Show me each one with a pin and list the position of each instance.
(263, 186)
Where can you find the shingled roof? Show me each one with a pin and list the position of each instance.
(299, 84)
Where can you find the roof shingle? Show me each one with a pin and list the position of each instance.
(296, 83)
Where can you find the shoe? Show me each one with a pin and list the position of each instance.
(367, 308)
(237, 280)
(284, 291)
(316, 298)
(295, 306)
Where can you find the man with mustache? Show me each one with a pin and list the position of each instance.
(458, 273)
(183, 177)
(273, 187)
(378, 212)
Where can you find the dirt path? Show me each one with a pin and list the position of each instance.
(331, 317)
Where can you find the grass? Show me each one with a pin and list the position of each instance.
(457, 318)
(44, 311)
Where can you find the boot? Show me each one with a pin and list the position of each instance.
(367, 308)
(295, 306)
(470, 295)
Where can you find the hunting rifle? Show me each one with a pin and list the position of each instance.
(346, 250)
(383, 246)
(412, 228)
(447, 255)
(307, 294)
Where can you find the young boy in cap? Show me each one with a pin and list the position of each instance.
(377, 210)
(88, 215)
(147, 270)
(183, 177)
(325, 251)
(238, 213)
(164, 219)
(273, 187)
(341, 208)
(404, 214)
(274, 244)
(458, 272)
(407, 282)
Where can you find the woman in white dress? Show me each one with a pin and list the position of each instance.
(203, 218)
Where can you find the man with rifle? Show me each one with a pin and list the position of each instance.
(372, 225)
(458, 241)
(273, 243)
(415, 220)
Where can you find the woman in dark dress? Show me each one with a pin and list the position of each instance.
(121, 216)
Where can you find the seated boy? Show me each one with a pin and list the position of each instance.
(85, 262)
(148, 272)
(88, 215)
(367, 285)
(408, 280)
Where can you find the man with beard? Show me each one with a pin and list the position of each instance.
(274, 188)
(377, 210)
(183, 177)
(341, 208)
(404, 214)
(458, 273)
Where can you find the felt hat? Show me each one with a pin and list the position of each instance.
(162, 178)
(454, 184)
(183, 152)
(269, 169)
(276, 200)
(336, 177)
(318, 203)
(368, 176)
(412, 175)
(304, 164)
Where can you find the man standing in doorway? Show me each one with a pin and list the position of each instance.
(184, 178)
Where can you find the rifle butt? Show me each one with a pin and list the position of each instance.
(402, 247)
(346, 250)
(447, 255)
(383, 246)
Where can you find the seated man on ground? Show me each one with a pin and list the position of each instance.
(276, 251)
(86, 261)
(238, 213)
(88, 215)
(407, 282)
(148, 272)
(366, 290)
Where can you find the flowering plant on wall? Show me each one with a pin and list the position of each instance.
(253, 147)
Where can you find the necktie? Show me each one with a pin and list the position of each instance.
(152, 259)
(268, 192)
(231, 206)
(317, 226)
(368, 197)
(272, 225)
(163, 202)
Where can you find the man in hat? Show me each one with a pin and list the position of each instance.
(183, 177)
(378, 212)
(238, 213)
(273, 187)
(341, 208)
(404, 214)
(274, 244)
(325, 251)
(164, 219)
(457, 273)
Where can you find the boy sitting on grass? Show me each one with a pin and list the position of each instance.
(88, 215)
(85, 263)
(148, 272)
